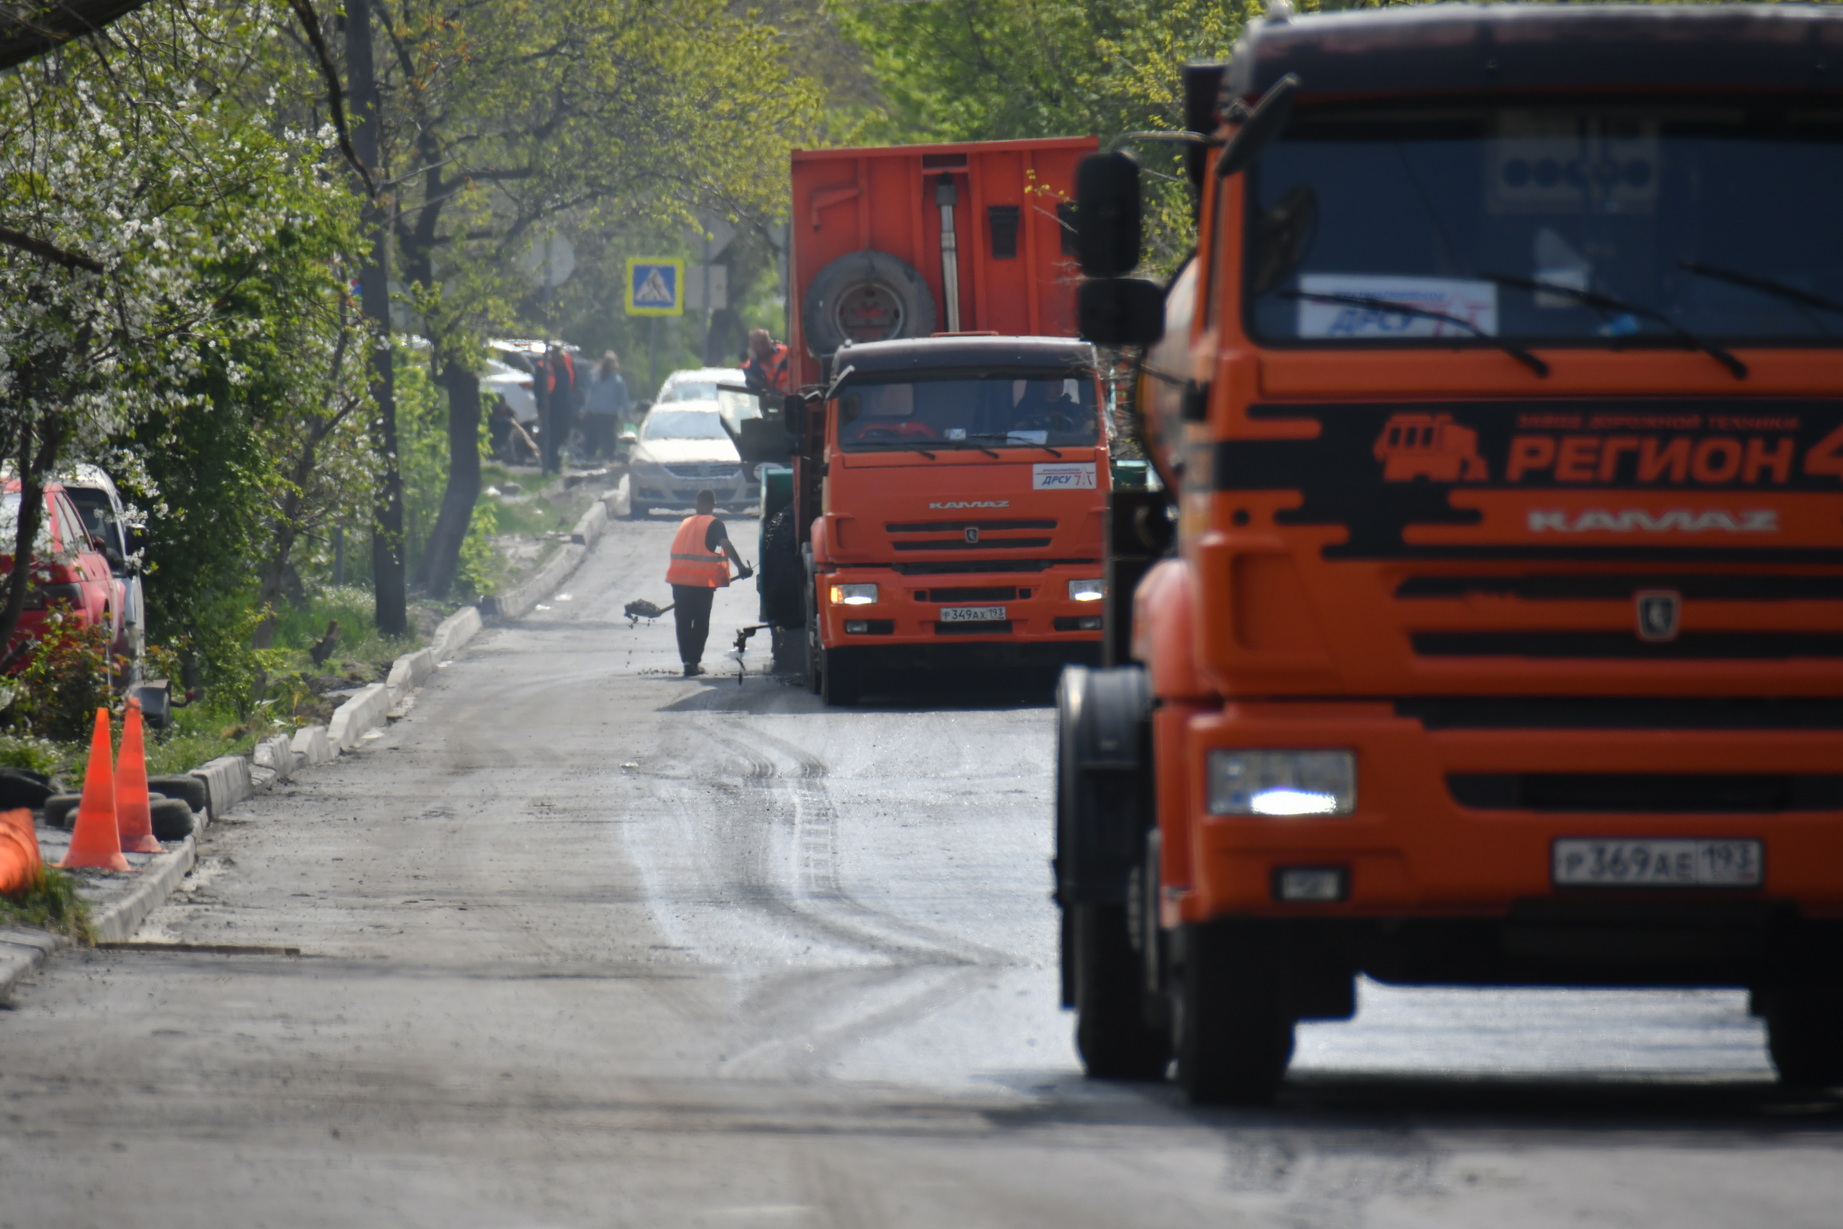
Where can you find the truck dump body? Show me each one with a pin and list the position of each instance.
(1013, 261)
(1502, 640)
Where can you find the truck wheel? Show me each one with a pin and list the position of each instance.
(865, 296)
(1804, 1034)
(1110, 1029)
(1234, 1036)
(838, 676)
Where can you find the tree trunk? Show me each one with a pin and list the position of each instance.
(463, 490)
(389, 582)
(32, 467)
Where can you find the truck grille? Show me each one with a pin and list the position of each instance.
(960, 526)
(1680, 793)
(1750, 646)
(705, 471)
(1621, 587)
(994, 594)
(1621, 713)
(981, 544)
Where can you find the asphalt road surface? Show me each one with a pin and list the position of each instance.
(586, 944)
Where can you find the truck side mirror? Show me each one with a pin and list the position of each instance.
(1120, 311)
(1202, 113)
(1263, 124)
(1107, 214)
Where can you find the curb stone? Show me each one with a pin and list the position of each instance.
(230, 779)
(520, 599)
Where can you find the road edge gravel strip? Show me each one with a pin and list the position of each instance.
(232, 779)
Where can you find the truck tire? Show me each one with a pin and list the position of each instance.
(1234, 1035)
(838, 676)
(1804, 1034)
(865, 296)
(778, 580)
(1110, 1027)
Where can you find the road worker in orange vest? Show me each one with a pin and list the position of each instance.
(701, 558)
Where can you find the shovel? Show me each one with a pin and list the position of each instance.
(640, 608)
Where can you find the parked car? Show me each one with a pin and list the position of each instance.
(698, 383)
(681, 449)
(69, 571)
(512, 383)
(104, 514)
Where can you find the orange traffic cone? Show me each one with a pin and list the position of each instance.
(95, 840)
(19, 862)
(133, 816)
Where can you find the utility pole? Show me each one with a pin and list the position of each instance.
(388, 573)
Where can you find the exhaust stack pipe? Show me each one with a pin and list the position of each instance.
(946, 197)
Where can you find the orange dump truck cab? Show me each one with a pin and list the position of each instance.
(1492, 630)
(949, 442)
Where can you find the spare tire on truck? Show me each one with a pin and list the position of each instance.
(866, 296)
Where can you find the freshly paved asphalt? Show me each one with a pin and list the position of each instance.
(588, 944)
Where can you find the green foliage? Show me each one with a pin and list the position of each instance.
(55, 759)
(49, 903)
(479, 561)
(65, 679)
(975, 70)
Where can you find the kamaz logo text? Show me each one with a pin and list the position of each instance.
(1637, 520)
(970, 503)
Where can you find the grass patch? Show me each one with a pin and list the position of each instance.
(51, 904)
(299, 628)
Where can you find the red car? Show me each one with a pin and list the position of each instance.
(69, 567)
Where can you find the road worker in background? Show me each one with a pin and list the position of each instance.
(701, 558)
(765, 370)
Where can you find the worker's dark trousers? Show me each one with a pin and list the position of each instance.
(691, 607)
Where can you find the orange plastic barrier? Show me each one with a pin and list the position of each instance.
(19, 858)
(133, 814)
(96, 840)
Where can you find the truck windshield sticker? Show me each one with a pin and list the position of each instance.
(1063, 477)
(1473, 302)
(1453, 478)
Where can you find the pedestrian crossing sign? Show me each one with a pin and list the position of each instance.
(655, 286)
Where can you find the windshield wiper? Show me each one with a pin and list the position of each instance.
(1603, 302)
(1765, 285)
(1009, 442)
(1426, 313)
(894, 446)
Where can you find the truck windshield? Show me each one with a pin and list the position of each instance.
(1551, 223)
(988, 411)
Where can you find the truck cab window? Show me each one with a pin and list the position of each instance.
(1714, 217)
(988, 411)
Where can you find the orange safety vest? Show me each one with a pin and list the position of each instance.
(691, 563)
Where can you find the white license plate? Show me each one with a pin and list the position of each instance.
(973, 614)
(1644, 862)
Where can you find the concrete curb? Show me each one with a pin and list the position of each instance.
(230, 779)
(358, 716)
(117, 921)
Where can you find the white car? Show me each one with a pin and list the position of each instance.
(698, 383)
(681, 449)
(500, 379)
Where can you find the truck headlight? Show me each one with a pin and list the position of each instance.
(1086, 590)
(1282, 782)
(853, 595)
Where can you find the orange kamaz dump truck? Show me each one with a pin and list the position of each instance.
(1492, 630)
(949, 450)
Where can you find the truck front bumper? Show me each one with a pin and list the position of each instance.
(911, 610)
(1463, 822)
